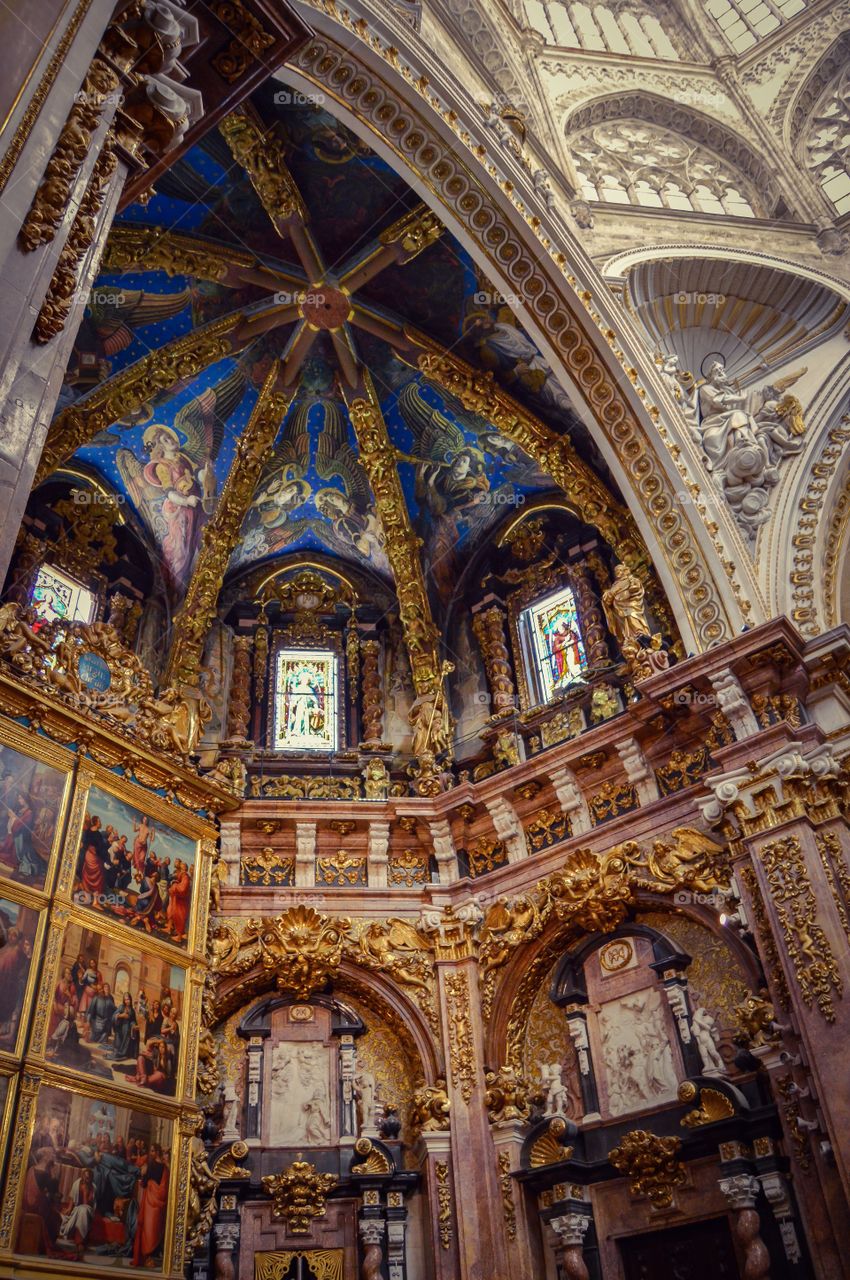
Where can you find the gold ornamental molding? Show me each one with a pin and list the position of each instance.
(130, 390)
(461, 1047)
(130, 247)
(300, 948)
(262, 155)
(712, 1105)
(547, 1149)
(449, 175)
(298, 1194)
(45, 84)
(430, 717)
(444, 1204)
(220, 536)
(594, 892)
(651, 1164)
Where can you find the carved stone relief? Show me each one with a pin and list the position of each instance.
(300, 1106)
(637, 1055)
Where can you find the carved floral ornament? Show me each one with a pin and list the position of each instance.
(652, 1166)
(299, 1193)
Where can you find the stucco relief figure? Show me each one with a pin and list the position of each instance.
(682, 388)
(704, 1030)
(300, 1095)
(745, 437)
(636, 1052)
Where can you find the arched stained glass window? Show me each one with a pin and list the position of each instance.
(553, 644)
(305, 700)
(57, 597)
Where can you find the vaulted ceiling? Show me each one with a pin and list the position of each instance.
(326, 261)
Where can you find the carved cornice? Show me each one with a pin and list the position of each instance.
(190, 627)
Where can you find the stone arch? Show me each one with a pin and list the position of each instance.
(693, 126)
(528, 968)
(517, 246)
(371, 988)
(818, 153)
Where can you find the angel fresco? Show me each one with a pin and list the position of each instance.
(341, 518)
(116, 313)
(454, 478)
(175, 488)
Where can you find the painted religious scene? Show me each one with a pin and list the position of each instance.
(135, 869)
(305, 701)
(116, 1012)
(559, 655)
(18, 928)
(96, 1186)
(31, 802)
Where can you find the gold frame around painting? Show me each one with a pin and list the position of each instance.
(11, 891)
(181, 821)
(37, 1265)
(41, 750)
(7, 1072)
(62, 919)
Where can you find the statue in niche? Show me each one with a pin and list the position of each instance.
(625, 614)
(230, 1131)
(300, 1095)
(367, 1094)
(745, 437)
(557, 1096)
(704, 1030)
(636, 1052)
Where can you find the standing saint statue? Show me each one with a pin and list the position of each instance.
(624, 610)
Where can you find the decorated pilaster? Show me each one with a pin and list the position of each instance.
(792, 859)
(482, 1244)
(489, 627)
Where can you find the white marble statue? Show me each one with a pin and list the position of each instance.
(557, 1097)
(230, 1131)
(705, 1033)
(300, 1095)
(367, 1095)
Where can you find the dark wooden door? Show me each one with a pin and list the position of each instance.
(701, 1251)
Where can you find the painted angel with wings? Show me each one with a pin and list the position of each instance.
(176, 487)
(350, 509)
(116, 314)
(282, 488)
(450, 472)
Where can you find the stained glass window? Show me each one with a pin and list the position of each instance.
(58, 597)
(554, 643)
(305, 700)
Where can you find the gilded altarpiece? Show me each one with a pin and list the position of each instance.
(104, 890)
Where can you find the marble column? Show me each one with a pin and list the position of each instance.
(741, 1191)
(371, 1239)
(226, 1244)
(571, 1228)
